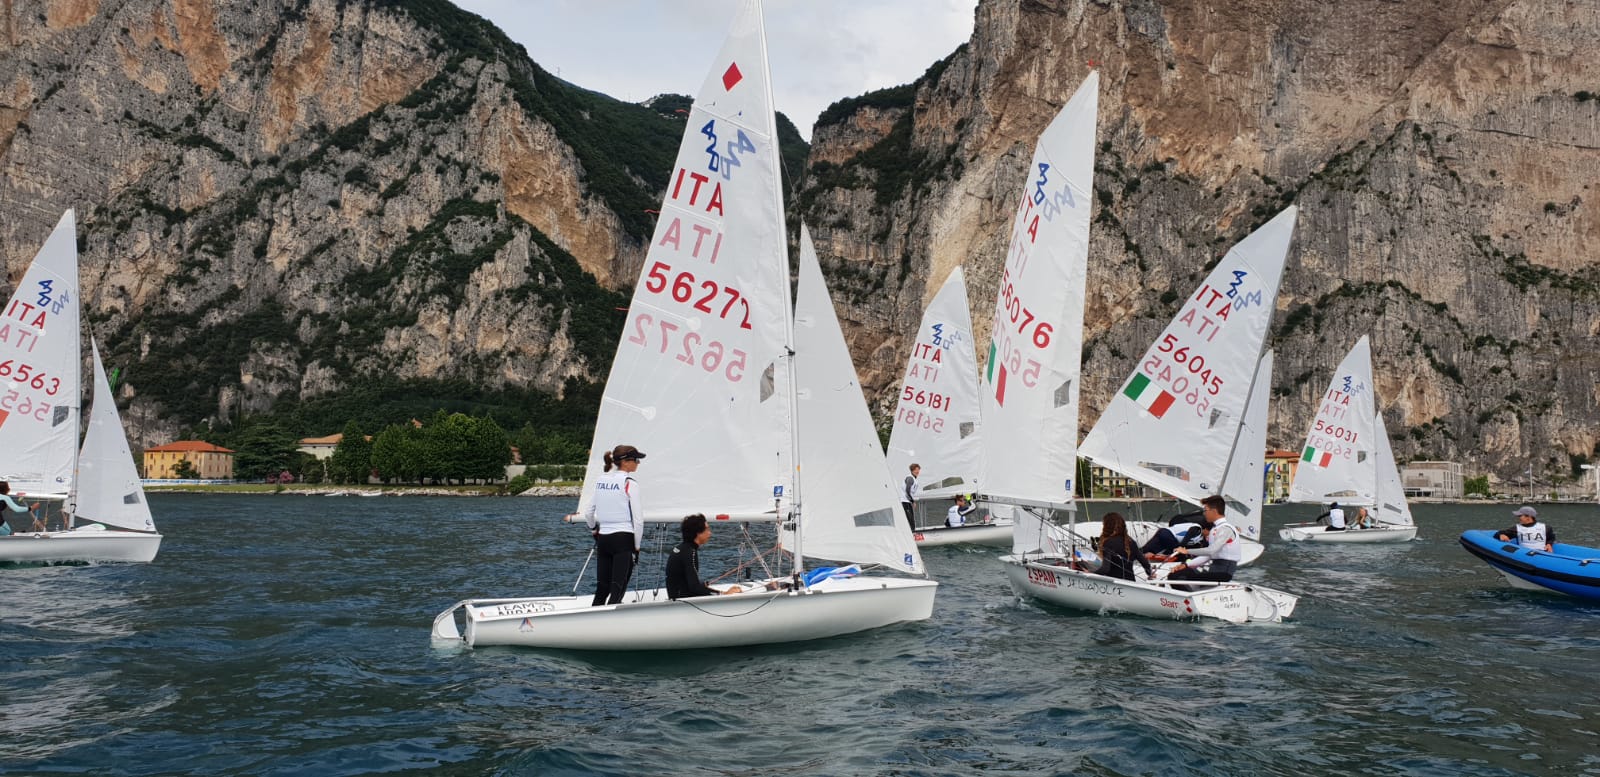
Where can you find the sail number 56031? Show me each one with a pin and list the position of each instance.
(689, 348)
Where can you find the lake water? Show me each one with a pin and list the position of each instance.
(283, 635)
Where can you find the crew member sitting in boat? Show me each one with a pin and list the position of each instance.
(1117, 551)
(683, 566)
(1530, 532)
(1363, 520)
(1222, 555)
(1335, 516)
(1180, 532)
(8, 503)
(957, 515)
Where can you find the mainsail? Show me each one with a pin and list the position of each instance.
(698, 382)
(39, 353)
(1030, 396)
(936, 414)
(1338, 462)
(1174, 425)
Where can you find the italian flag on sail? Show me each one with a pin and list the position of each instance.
(1148, 396)
(999, 385)
(1316, 458)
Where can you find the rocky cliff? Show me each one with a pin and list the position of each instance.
(277, 198)
(1442, 153)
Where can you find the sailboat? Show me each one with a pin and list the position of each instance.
(1179, 423)
(1187, 397)
(39, 424)
(713, 377)
(936, 419)
(1347, 459)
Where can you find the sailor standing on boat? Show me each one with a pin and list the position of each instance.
(1223, 554)
(908, 495)
(1531, 533)
(616, 519)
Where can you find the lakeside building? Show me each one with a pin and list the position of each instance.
(1436, 479)
(209, 462)
(1281, 465)
(1106, 483)
(320, 447)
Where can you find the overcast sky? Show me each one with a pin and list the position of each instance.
(821, 50)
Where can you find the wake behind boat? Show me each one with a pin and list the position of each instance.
(716, 392)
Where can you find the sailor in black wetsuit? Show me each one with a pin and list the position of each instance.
(683, 566)
(1180, 532)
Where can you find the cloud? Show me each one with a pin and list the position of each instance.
(821, 51)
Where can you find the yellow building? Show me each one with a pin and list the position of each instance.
(1281, 466)
(210, 462)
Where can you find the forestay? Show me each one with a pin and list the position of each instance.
(1245, 479)
(1030, 393)
(109, 491)
(1392, 506)
(936, 416)
(697, 382)
(1337, 463)
(39, 384)
(849, 508)
(1174, 423)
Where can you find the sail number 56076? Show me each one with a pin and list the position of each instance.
(690, 348)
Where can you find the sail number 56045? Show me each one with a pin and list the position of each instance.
(689, 348)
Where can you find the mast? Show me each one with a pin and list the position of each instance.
(788, 304)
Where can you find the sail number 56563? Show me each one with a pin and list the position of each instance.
(689, 347)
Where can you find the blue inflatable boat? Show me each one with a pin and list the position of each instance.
(1569, 569)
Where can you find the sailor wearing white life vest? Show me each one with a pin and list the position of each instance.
(1531, 533)
(1224, 552)
(616, 519)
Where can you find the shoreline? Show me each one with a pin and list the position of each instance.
(553, 489)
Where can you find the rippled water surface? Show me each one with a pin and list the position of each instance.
(280, 635)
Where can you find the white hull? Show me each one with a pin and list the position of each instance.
(997, 534)
(80, 545)
(1315, 532)
(647, 620)
(1060, 585)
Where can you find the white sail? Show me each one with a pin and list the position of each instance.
(39, 352)
(1392, 507)
(1338, 463)
(108, 484)
(1245, 481)
(850, 509)
(936, 414)
(1174, 423)
(696, 383)
(1030, 400)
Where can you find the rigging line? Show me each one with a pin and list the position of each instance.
(769, 600)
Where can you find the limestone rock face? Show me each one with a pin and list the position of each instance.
(1442, 153)
(276, 198)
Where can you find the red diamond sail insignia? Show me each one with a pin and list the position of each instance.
(731, 76)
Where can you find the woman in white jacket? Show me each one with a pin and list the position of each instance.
(617, 522)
